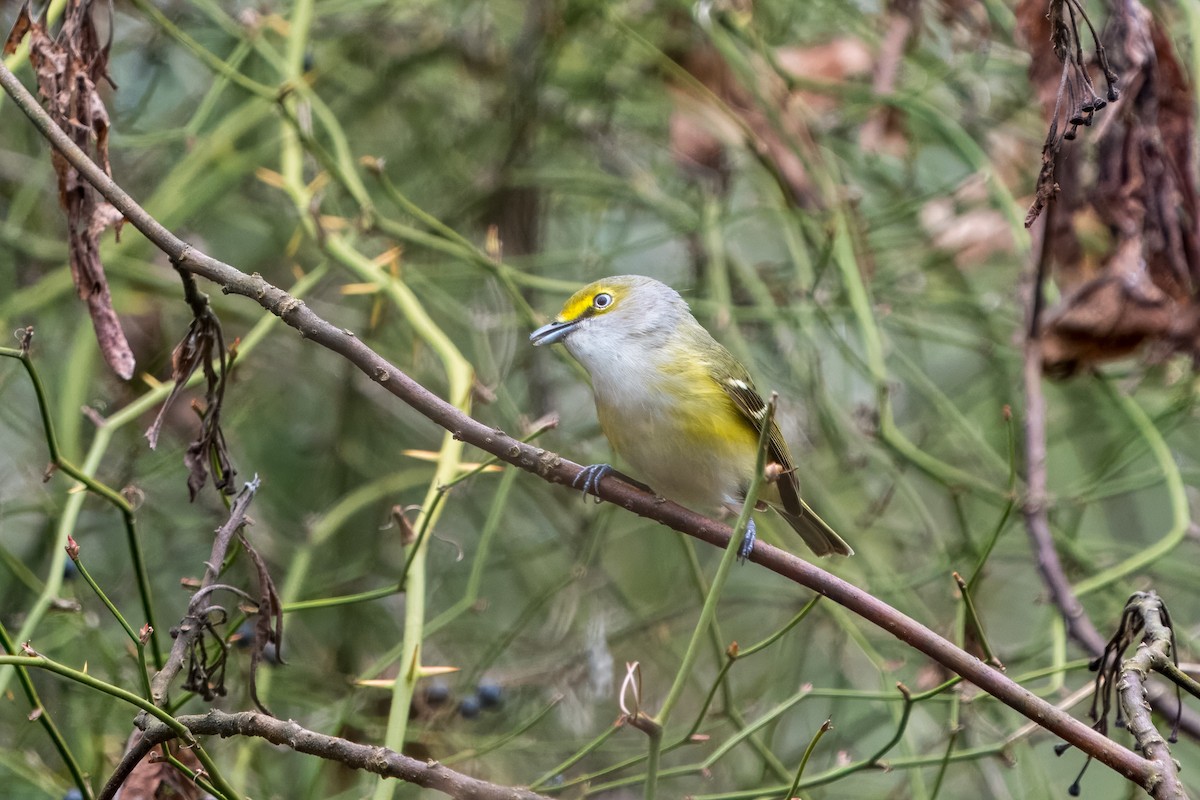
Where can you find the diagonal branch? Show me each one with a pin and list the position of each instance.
(555, 469)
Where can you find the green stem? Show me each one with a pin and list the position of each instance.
(460, 376)
(557, 770)
(451, 242)
(475, 580)
(860, 304)
(56, 456)
(211, 60)
(45, 719)
(941, 774)
(709, 610)
(84, 678)
(518, 731)
(764, 719)
(180, 730)
(973, 619)
(1180, 515)
(808, 751)
(143, 670)
(71, 512)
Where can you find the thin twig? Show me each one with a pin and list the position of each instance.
(190, 628)
(1037, 522)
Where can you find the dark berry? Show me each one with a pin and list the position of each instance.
(490, 694)
(469, 707)
(436, 693)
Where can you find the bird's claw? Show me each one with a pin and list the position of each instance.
(588, 479)
(747, 545)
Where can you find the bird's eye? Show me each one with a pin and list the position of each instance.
(602, 301)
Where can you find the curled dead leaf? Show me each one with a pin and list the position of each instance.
(1144, 195)
(69, 67)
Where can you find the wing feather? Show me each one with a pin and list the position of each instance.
(753, 409)
(816, 532)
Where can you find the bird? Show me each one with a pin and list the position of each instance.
(676, 405)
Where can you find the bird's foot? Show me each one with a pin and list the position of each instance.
(588, 479)
(747, 545)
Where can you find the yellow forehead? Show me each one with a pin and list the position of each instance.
(580, 303)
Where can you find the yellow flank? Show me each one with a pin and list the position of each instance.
(696, 404)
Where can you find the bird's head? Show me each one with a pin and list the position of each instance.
(612, 311)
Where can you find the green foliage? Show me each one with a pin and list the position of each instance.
(894, 353)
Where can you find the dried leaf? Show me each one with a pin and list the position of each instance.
(156, 779)
(69, 67)
(1062, 75)
(20, 28)
(966, 226)
(268, 627)
(1144, 194)
(1108, 317)
(195, 347)
(201, 346)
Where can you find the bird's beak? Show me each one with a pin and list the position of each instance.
(554, 332)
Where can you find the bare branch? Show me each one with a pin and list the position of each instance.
(1145, 611)
(381, 761)
(193, 625)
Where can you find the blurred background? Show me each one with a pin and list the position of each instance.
(838, 190)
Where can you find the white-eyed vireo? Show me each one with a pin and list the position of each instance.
(676, 404)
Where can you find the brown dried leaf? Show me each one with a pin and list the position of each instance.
(195, 348)
(1062, 75)
(20, 28)
(156, 779)
(268, 626)
(966, 226)
(68, 67)
(1108, 317)
(201, 346)
(1145, 194)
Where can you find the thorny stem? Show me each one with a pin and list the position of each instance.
(180, 730)
(139, 645)
(826, 726)
(141, 573)
(45, 719)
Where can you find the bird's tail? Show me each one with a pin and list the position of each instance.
(815, 532)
